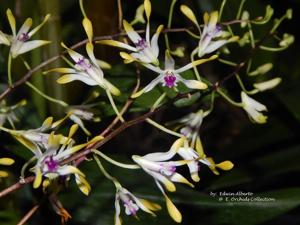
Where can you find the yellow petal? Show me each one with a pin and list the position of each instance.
(178, 143)
(127, 57)
(137, 94)
(12, 21)
(3, 174)
(6, 161)
(213, 18)
(201, 61)
(226, 165)
(199, 148)
(83, 185)
(73, 130)
(48, 122)
(173, 211)
(88, 27)
(38, 179)
(150, 205)
(189, 14)
(147, 6)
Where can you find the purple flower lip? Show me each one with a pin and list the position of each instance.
(51, 164)
(170, 79)
(23, 37)
(141, 44)
(84, 64)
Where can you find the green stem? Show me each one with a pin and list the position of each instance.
(9, 69)
(116, 163)
(171, 11)
(194, 67)
(237, 76)
(227, 98)
(82, 8)
(158, 101)
(51, 99)
(113, 105)
(106, 174)
(271, 49)
(238, 15)
(229, 63)
(221, 9)
(168, 131)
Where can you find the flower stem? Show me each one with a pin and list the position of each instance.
(157, 125)
(82, 8)
(113, 105)
(106, 174)
(51, 99)
(171, 11)
(116, 163)
(194, 52)
(158, 101)
(9, 69)
(221, 9)
(227, 98)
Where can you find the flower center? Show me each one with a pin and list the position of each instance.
(84, 64)
(170, 79)
(141, 44)
(23, 37)
(130, 208)
(167, 170)
(51, 164)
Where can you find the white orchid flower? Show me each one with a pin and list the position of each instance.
(170, 76)
(145, 50)
(19, 41)
(34, 139)
(161, 169)
(48, 160)
(131, 204)
(212, 36)
(267, 85)
(254, 109)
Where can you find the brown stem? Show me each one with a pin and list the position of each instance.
(28, 215)
(16, 186)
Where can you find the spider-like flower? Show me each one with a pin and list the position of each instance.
(132, 204)
(7, 112)
(48, 161)
(145, 50)
(212, 37)
(19, 41)
(170, 76)
(5, 162)
(161, 169)
(254, 109)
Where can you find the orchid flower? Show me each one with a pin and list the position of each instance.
(254, 109)
(145, 50)
(48, 161)
(19, 41)
(5, 162)
(34, 139)
(7, 112)
(87, 70)
(132, 204)
(170, 76)
(212, 37)
(162, 170)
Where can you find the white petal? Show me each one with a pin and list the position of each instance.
(214, 45)
(169, 61)
(132, 34)
(71, 77)
(154, 41)
(30, 45)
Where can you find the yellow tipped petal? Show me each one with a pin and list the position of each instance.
(189, 14)
(201, 61)
(6, 161)
(88, 27)
(199, 148)
(173, 211)
(83, 184)
(178, 143)
(12, 21)
(147, 6)
(103, 64)
(48, 122)
(150, 205)
(127, 26)
(73, 130)
(137, 94)
(127, 57)
(226, 165)
(213, 18)
(38, 178)
(64, 79)
(3, 174)
(169, 185)
(206, 18)
(233, 39)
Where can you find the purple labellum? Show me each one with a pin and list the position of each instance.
(141, 44)
(167, 170)
(51, 164)
(23, 37)
(84, 64)
(170, 79)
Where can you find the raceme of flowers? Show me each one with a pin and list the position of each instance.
(51, 150)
